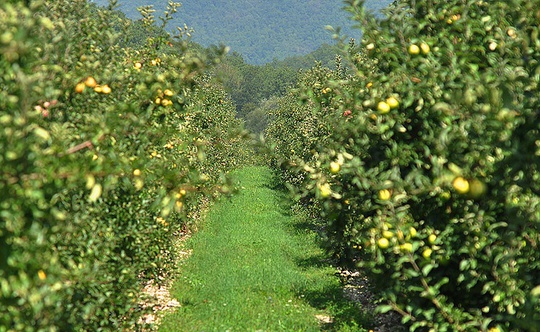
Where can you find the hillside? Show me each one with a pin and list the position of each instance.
(259, 30)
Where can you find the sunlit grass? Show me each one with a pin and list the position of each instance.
(254, 267)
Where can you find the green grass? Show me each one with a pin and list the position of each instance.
(255, 267)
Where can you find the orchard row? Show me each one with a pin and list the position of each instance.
(423, 161)
(105, 151)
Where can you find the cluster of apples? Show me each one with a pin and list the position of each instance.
(389, 104)
(415, 49)
(91, 82)
(163, 97)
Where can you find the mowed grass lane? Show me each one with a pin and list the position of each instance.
(255, 267)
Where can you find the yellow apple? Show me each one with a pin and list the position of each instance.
(392, 102)
(414, 49)
(406, 247)
(90, 82)
(388, 234)
(385, 194)
(425, 48)
(106, 89)
(477, 188)
(79, 88)
(325, 190)
(383, 243)
(461, 185)
(383, 107)
(335, 167)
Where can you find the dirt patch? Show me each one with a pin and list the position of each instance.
(356, 288)
(158, 297)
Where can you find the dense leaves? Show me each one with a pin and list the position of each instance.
(104, 151)
(427, 168)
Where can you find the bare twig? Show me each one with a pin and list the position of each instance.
(79, 147)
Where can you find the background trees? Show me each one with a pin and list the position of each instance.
(260, 30)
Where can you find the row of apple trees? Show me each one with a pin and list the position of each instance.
(424, 160)
(104, 151)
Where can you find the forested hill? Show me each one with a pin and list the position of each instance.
(260, 30)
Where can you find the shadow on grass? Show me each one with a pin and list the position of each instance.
(316, 261)
(346, 315)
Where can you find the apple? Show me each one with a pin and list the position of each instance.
(477, 188)
(79, 88)
(392, 102)
(388, 234)
(406, 247)
(385, 194)
(6, 37)
(42, 275)
(334, 167)
(427, 253)
(425, 48)
(325, 190)
(383, 243)
(383, 107)
(445, 195)
(106, 89)
(414, 49)
(461, 185)
(90, 82)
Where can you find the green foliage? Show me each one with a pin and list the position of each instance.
(325, 54)
(253, 88)
(436, 196)
(99, 163)
(257, 119)
(297, 127)
(260, 30)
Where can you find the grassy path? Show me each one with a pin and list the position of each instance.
(254, 267)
